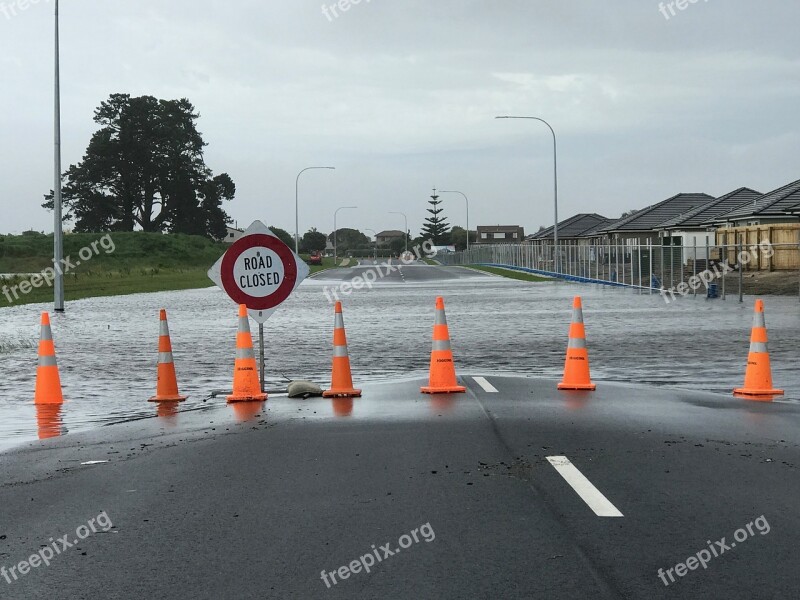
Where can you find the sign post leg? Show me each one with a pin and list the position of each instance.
(261, 353)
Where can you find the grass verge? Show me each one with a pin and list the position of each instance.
(124, 263)
(109, 283)
(509, 273)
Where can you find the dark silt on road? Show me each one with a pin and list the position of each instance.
(107, 346)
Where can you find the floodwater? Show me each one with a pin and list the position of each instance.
(107, 347)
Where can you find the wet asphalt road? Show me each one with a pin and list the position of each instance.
(394, 271)
(204, 506)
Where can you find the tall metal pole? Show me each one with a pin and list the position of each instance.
(58, 240)
(335, 244)
(296, 203)
(376, 241)
(405, 233)
(465, 200)
(741, 273)
(555, 181)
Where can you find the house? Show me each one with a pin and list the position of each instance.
(232, 234)
(643, 226)
(597, 236)
(384, 238)
(694, 229)
(772, 217)
(572, 230)
(500, 234)
(776, 206)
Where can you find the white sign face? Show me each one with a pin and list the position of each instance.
(258, 272)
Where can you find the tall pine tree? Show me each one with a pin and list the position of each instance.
(436, 227)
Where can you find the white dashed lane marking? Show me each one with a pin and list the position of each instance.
(584, 488)
(487, 387)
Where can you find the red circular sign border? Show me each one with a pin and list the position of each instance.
(289, 271)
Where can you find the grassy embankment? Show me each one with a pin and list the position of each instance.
(139, 262)
(510, 274)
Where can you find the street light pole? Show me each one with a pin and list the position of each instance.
(296, 212)
(555, 184)
(376, 241)
(467, 201)
(335, 250)
(405, 232)
(58, 233)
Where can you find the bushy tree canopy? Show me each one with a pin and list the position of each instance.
(144, 168)
(313, 241)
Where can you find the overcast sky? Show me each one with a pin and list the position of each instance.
(401, 95)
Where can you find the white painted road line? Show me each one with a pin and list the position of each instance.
(590, 494)
(487, 387)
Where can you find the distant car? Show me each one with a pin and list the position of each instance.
(315, 258)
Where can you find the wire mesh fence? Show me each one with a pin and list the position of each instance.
(671, 270)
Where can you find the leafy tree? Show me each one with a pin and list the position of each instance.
(284, 236)
(398, 245)
(436, 227)
(458, 237)
(313, 241)
(144, 168)
(347, 239)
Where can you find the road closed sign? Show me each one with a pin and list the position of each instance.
(259, 271)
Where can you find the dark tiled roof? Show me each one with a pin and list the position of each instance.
(706, 213)
(600, 228)
(774, 203)
(390, 233)
(649, 219)
(498, 228)
(793, 209)
(573, 227)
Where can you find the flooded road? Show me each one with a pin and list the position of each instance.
(107, 347)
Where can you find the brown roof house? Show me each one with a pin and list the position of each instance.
(500, 234)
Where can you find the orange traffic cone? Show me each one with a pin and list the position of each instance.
(442, 379)
(341, 378)
(167, 384)
(758, 377)
(246, 387)
(48, 381)
(576, 367)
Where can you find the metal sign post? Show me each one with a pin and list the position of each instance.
(261, 354)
